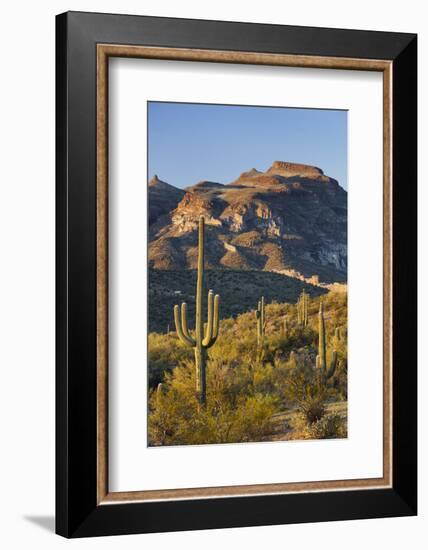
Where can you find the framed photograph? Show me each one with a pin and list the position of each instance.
(236, 274)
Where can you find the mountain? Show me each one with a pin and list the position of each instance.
(290, 219)
(163, 198)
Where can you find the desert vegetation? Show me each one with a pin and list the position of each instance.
(276, 371)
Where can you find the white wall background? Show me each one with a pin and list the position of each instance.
(27, 272)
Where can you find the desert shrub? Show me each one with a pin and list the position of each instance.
(165, 352)
(253, 418)
(234, 411)
(313, 409)
(329, 427)
(304, 383)
(306, 389)
(300, 429)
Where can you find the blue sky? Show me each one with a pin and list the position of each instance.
(191, 142)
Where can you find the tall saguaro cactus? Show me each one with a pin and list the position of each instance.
(321, 360)
(261, 323)
(302, 309)
(203, 339)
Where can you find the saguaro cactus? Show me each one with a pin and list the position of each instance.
(302, 309)
(321, 360)
(284, 328)
(203, 339)
(306, 317)
(261, 323)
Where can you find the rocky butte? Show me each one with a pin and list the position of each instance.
(290, 219)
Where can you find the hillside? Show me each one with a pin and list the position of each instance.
(240, 291)
(292, 218)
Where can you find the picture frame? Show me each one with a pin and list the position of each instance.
(84, 44)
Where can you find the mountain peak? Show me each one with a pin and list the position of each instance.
(156, 185)
(163, 198)
(250, 173)
(155, 181)
(289, 169)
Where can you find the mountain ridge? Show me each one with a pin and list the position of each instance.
(292, 218)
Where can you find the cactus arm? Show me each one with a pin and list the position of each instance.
(178, 328)
(184, 327)
(216, 321)
(210, 324)
(216, 316)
